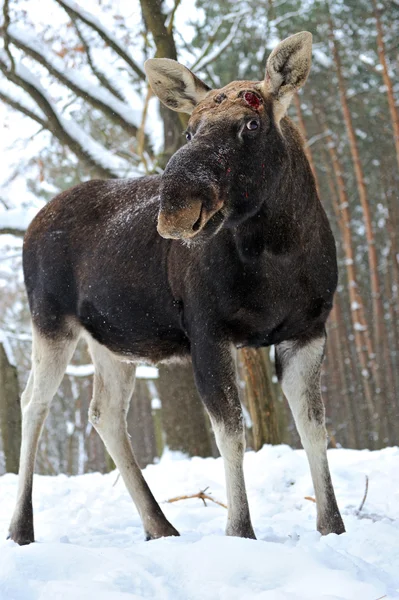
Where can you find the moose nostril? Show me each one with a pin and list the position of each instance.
(197, 223)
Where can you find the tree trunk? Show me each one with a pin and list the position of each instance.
(185, 424)
(363, 342)
(334, 374)
(260, 396)
(338, 354)
(10, 412)
(173, 139)
(378, 313)
(140, 424)
(387, 80)
(173, 123)
(302, 129)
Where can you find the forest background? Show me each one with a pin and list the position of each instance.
(75, 105)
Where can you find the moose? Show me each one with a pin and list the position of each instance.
(228, 247)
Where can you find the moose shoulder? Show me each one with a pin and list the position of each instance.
(229, 247)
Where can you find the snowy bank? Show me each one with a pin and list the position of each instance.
(90, 540)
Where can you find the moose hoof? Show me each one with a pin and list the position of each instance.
(164, 531)
(21, 535)
(243, 530)
(334, 524)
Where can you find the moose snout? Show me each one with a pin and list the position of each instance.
(190, 194)
(184, 215)
(182, 223)
(187, 222)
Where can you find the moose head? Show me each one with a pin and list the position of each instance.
(235, 155)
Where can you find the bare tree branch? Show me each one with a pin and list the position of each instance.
(141, 132)
(102, 78)
(164, 41)
(12, 231)
(205, 61)
(155, 21)
(28, 83)
(23, 109)
(98, 98)
(171, 17)
(6, 24)
(73, 8)
(209, 44)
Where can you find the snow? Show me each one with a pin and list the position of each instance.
(113, 163)
(321, 57)
(93, 148)
(147, 372)
(19, 96)
(76, 79)
(142, 371)
(361, 134)
(18, 218)
(206, 59)
(92, 19)
(90, 540)
(22, 140)
(80, 370)
(156, 404)
(19, 141)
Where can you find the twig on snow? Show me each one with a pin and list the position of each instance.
(201, 495)
(365, 496)
(361, 504)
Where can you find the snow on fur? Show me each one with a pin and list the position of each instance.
(90, 540)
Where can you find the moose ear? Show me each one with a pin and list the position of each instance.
(288, 66)
(176, 86)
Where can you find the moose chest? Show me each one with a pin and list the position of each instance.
(260, 302)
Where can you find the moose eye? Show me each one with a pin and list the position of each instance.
(252, 125)
(188, 136)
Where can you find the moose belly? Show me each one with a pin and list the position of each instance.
(134, 330)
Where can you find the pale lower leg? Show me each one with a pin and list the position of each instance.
(118, 445)
(113, 388)
(232, 447)
(301, 384)
(49, 361)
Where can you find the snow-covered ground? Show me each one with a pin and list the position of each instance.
(90, 541)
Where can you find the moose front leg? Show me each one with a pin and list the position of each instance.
(216, 379)
(298, 368)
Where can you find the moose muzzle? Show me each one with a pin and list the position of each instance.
(189, 194)
(187, 222)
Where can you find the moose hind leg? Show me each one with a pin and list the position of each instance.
(112, 391)
(50, 358)
(298, 369)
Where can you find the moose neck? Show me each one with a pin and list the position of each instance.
(288, 213)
